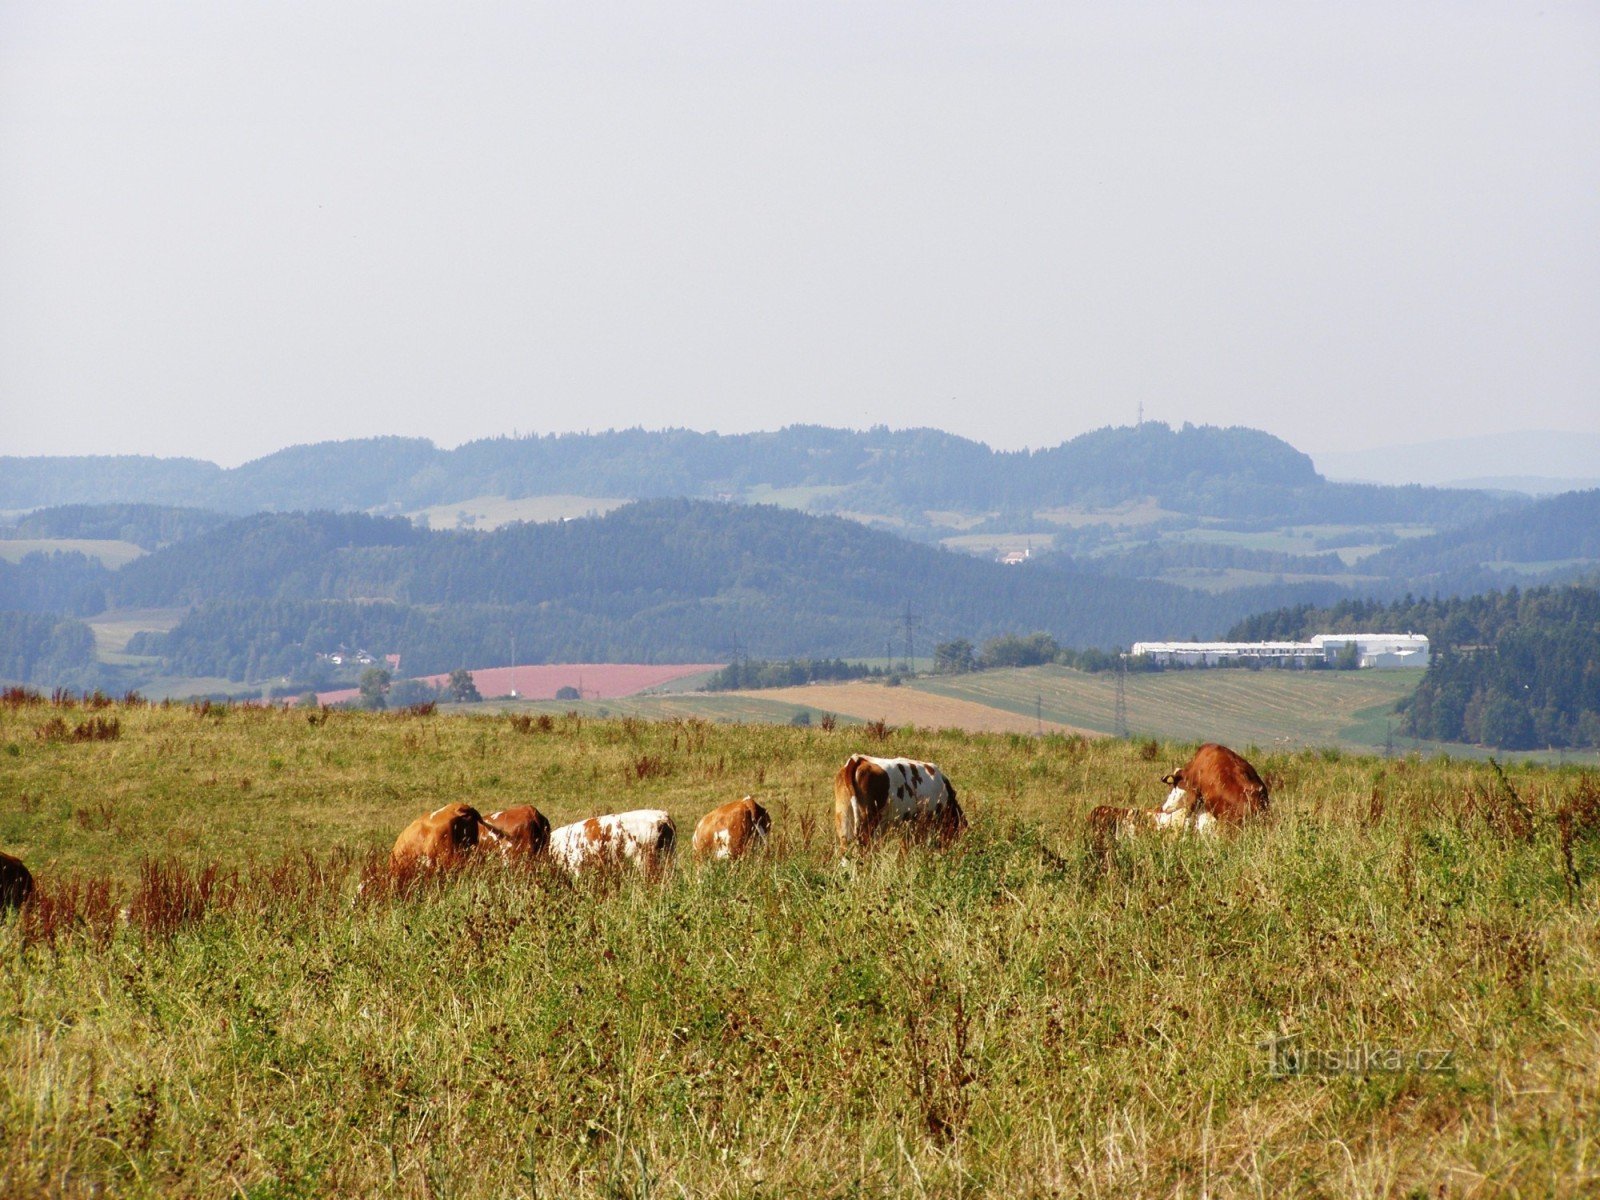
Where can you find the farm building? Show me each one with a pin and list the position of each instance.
(1377, 650)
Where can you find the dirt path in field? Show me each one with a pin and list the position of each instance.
(907, 706)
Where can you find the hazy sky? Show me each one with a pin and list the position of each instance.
(230, 227)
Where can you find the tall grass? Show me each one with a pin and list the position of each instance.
(257, 1007)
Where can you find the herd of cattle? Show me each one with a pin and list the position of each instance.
(1215, 790)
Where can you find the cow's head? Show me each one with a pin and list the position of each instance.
(1180, 797)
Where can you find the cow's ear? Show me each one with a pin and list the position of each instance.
(1170, 780)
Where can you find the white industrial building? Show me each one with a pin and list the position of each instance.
(1378, 650)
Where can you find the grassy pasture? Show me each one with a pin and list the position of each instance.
(1026, 1013)
(1268, 708)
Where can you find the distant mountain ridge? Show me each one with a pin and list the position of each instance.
(1537, 462)
(1232, 472)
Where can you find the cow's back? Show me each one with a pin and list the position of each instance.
(437, 839)
(1230, 788)
(645, 837)
(523, 829)
(868, 792)
(729, 830)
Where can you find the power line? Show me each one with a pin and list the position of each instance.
(912, 621)
(1120, 719)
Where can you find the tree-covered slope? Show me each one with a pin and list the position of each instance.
(1515, 669)
(662, 580)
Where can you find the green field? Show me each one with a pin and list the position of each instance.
(1268, 708)
(112, 554)
(217, 992)
(490, 512)
(113, 628)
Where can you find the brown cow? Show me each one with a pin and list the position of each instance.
(16, 884)
(441, 839)
(731, 829)
(1218, 782)
(870, 792)
(524, 830)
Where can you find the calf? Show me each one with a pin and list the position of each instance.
(1107, 820)
(440, 839)
(731, 829)
(1220, 783)
(644, 837)
(16, 884)
(869, 793)
(524, 831)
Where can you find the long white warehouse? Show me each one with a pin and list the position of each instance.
(1377, 650)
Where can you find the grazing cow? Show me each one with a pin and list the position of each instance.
(731, 829)
(524, 831)
(868, 793)
(1220, 783)
(16, 884)
(1107, 820)
(441, 838)
(644, 837)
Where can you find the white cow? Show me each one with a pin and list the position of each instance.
(871, 793)
(643, 837)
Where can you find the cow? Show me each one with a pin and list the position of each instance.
(1107, 820)
(731, 829)
(16, 884)
(644, 837)
(1219, 783)
(441, 839)
(870, 793)
(524, 831)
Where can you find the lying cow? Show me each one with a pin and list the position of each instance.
(870, 793)
(16, 884)
(644, 837)
(524, 831)
(441, 839)
(1220, 783)
(1107, 820)
(731, 829)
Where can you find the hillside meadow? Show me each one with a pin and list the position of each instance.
(1391, 989)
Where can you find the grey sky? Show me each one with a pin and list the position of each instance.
(226, 228)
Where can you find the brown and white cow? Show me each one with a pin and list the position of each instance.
(16, 884)
(1108, 819)
(1218, 783)
(871, 793)
(524, 831)
(731, 829)
(442, 838)
(644, 837)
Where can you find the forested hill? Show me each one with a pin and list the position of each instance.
(658, 580)
(1515, 669)
(1555, 534)
(1235, 472)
